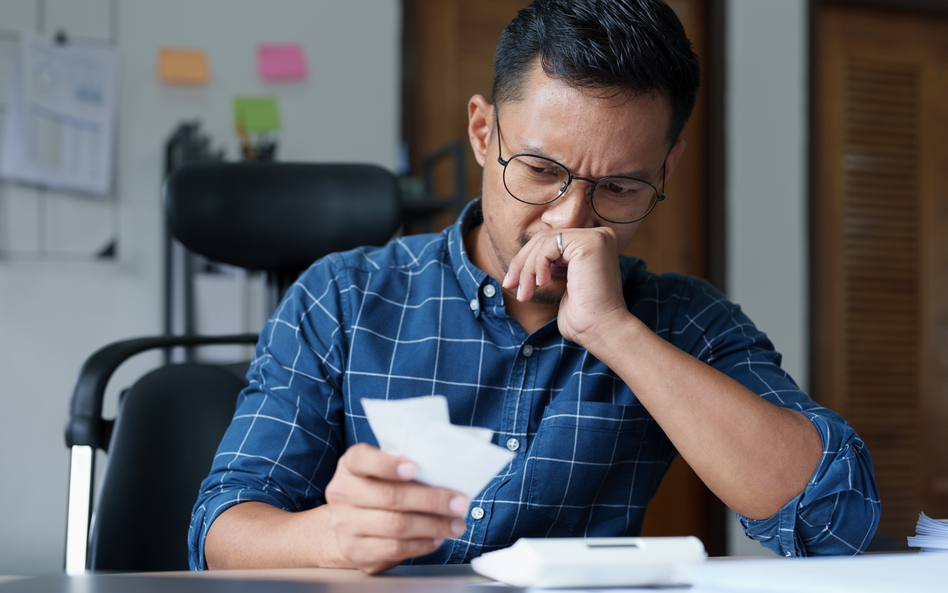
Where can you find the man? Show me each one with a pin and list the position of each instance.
(591, 370)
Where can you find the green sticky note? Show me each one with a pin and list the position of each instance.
(256, 115)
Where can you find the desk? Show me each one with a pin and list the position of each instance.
(403, 579)
(452, 574)
(881, 573)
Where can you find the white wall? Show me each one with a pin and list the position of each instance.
(53, 314)
(766, 194)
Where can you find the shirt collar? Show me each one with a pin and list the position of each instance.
(473, 280)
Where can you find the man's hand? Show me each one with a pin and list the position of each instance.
(716, 423)
(381, 517)
(593, 300)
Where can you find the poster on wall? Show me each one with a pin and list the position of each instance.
(59, 131)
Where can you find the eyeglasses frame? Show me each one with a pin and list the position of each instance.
(593, 182)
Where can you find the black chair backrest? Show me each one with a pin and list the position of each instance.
(280, 216)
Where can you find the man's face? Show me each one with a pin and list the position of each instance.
(590, 132)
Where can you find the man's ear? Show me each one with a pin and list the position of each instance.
(480, 115)
(673, 155)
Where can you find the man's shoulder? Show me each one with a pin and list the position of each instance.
(635, 272)
(400, 255)
(641, 283)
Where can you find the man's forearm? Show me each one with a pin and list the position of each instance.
(257, 535)
(752, 454)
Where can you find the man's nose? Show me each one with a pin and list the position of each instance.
(573, 209)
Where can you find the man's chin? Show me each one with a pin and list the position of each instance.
(551, 294)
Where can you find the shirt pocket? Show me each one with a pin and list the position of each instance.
(591, 462)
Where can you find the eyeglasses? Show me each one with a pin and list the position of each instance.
(538, 180)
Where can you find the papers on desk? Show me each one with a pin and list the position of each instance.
(931, 534)
(461, 458)
(59, 126)
(871, 573)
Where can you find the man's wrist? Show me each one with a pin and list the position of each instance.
(615, 338)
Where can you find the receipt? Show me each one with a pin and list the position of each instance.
(461, 458)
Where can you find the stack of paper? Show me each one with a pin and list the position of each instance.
(458, 457)
(931, 534)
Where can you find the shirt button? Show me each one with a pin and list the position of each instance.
(474, 305)
(528, 350)
(513, 444)
(477, 513)
(489, 290)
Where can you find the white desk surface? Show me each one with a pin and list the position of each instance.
(870, 573)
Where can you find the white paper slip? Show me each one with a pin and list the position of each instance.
(461, 458)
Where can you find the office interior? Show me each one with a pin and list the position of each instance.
(58, 304)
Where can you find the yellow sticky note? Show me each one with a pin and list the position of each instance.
(178, 65)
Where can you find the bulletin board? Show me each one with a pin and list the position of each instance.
(39, 221)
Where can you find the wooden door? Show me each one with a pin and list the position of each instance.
(449, 57)
(449, 50)
(880, 261)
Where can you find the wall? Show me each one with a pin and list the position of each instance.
(766, 194)
(54, 313)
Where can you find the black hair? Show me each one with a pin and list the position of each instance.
(629, 46)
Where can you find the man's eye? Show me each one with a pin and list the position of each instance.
(619, 190)
(544, 170)
(538, 168)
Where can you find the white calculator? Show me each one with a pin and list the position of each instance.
(553, 563)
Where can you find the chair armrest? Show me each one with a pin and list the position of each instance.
(85, 425)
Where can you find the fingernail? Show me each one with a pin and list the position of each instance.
(437, 543)
(506, 278)
(458, 527)
(458, 505)
(406, 470)
(519, 289)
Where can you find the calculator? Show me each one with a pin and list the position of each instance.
(553, 563)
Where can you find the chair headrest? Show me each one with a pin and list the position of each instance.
(280, 216)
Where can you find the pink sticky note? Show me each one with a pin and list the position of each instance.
(278, 62)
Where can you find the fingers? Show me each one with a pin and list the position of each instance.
(368, 461)
(531, 267)
(399, 525)
(379, 554)
(368, 478)
(370, 493)
(381, 517)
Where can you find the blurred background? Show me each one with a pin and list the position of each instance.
(814, 192)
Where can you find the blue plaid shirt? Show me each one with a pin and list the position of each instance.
(417, 318)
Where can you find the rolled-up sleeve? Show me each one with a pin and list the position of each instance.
(285, 439)
(838, 512)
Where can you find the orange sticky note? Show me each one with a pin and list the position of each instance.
(178, 65)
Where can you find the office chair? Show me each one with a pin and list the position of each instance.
(276, 217)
